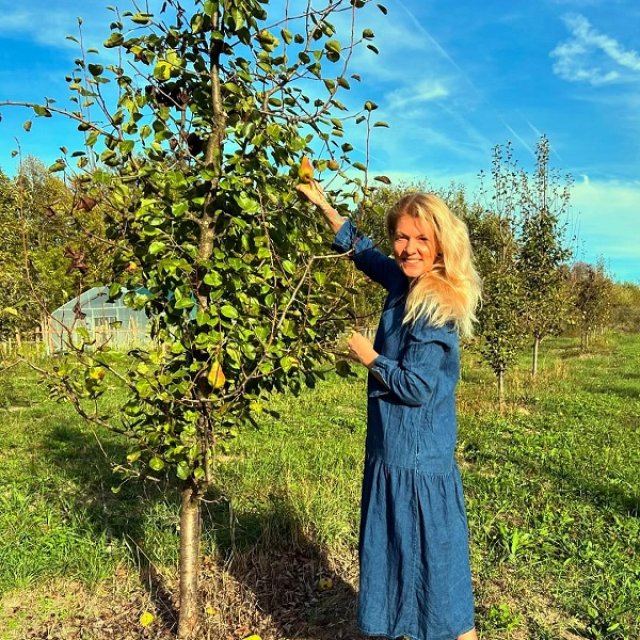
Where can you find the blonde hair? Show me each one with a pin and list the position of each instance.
(450, 292)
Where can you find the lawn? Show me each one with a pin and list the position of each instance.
(552, 492)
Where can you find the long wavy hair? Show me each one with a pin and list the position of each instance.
(451, 291)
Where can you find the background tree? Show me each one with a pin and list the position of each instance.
(195, 167)
(542, 248)
(493, 232)
(593, 296)
(625, 306)
(40, 224)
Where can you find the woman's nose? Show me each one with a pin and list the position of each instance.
(410, 246)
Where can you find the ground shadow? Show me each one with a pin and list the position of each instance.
(267, 576)
(109, 506)
(626, 393)
(288, 577)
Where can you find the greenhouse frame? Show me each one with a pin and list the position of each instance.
(105, 322)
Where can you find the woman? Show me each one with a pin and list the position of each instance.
(415, 578)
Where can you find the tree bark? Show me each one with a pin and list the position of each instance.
(501, 402)
(534, 364)
(189, 562)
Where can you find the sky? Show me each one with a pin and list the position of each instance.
(452, 79)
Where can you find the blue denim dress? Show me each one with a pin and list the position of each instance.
(415, 578)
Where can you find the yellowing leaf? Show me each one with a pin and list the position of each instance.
(146, 618)
(216, 377)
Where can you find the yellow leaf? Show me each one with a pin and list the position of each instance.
(216, 376)
(146, 618)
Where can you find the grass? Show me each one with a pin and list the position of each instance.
(552, 494)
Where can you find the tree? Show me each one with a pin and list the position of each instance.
(195, 167)
(593, 295)
(541, 248)
(39, 224)
(493, 233)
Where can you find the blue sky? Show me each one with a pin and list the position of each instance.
(452, 79)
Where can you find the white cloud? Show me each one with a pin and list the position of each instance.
(593, 57)
(608, 211)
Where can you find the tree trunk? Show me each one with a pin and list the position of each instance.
(534, 364)
(501, 402)
(189, 562)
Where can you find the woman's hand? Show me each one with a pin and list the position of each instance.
(313, 192)
(361, 349)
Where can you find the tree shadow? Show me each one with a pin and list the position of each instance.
(109, 507)
(290, 586)
(265, 574)
(630, 393)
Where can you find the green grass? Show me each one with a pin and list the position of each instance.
(552, 490)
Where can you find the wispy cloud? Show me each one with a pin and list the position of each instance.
(423, 91)
(593, 57)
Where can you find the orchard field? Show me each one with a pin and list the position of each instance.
(552, 488)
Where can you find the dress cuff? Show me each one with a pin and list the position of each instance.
(345, 238)
(382, 366)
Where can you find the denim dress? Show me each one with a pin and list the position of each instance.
(415, 578)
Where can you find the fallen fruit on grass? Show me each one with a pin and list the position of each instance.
(216, 377)
(324, 584)
(305, 170)
(146, 618)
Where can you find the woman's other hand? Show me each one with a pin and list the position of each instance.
(361, 349)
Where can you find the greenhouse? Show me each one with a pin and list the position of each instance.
(105, 322)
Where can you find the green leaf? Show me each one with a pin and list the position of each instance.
(380, 123)
(156, 247)
(95, 69)
(288, 266)
(333, 45)
(114, 40)
(157, 464)
(229, 312)
(58, 165)
(133, 456)
(42, 111)
(213, 279)
(182, 470)
(141, 18)
(10, 311)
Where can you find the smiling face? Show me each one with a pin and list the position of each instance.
(415, 246)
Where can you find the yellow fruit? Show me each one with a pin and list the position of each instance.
(146, 618)
(333, 165)
(216, 376)
(324, 584)
(305, 170)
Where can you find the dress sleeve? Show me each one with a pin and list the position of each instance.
(367, 257)
(412, 378)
